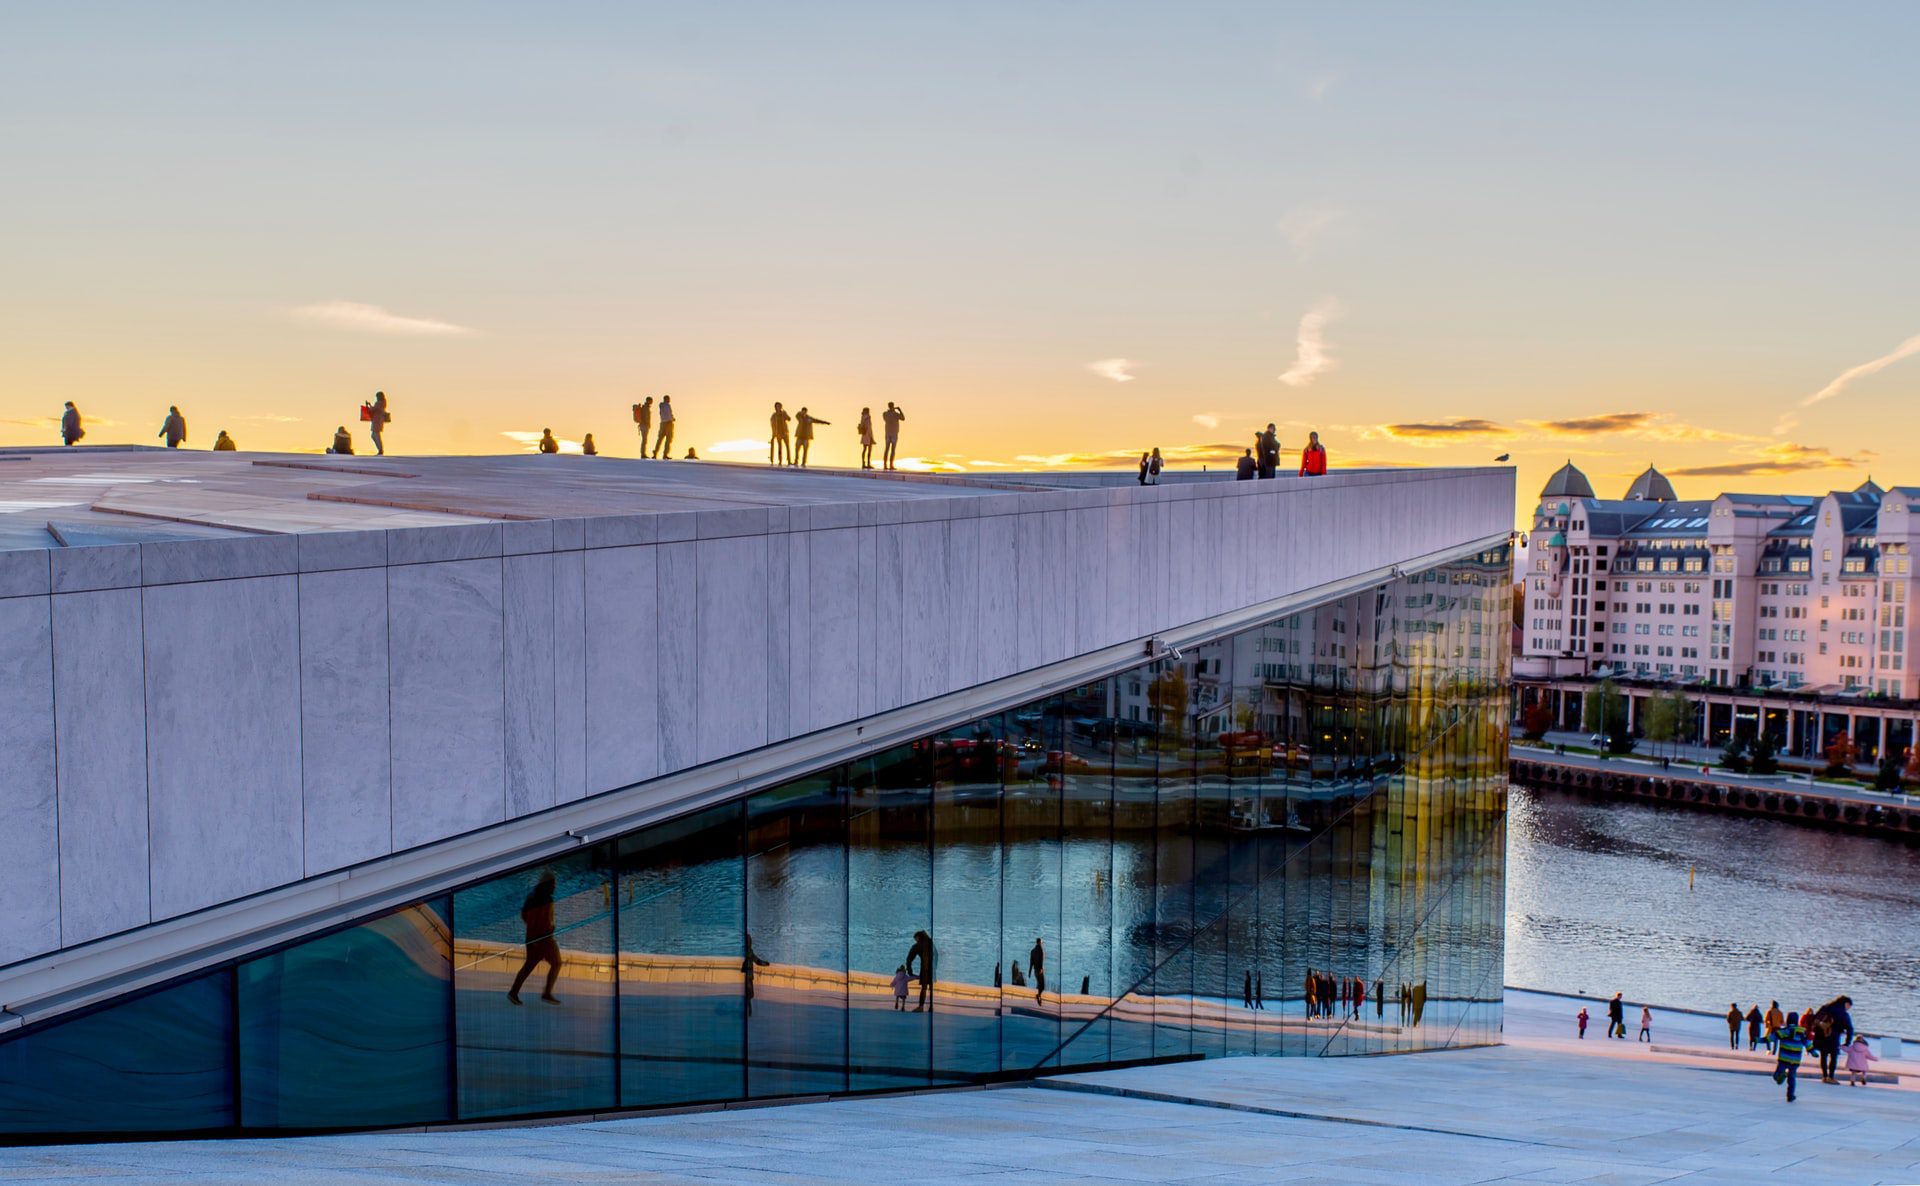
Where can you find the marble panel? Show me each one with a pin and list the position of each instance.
(888, 621)
(1030, 553)
(926, 622)
(175, 561)
(519, 537)
(779, 631)
(734, 637)
(432, 545)
(26, 572)
(569, 675)
(1057, 604)
(223, 739)
(866, 590)
(527, 590)
(634, 640)
(999, 585)
(444, 620)
(323, 550)
(1087, 572)
(722, 524)
(963, 601)
(569, 535)
(29, 784)
(100, 748)
(346, 758)
(1122, 573)
(109, 566)
(624, 531)
(832, 642)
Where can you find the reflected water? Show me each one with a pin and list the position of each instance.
(1597, 901)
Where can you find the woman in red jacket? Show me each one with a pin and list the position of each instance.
(1313, 458)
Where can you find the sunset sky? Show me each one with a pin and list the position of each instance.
(1056, 233)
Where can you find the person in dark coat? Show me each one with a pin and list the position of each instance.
(174, 428)
(1244, 469)
(536, 914)
(342, 441)
(1832, 1028)
(803, 435)
(748, 963)
(921, 954)
(1037, 967)
(1268, 453)
(1753, 1028)
(890, 420)
(1734, 1018)
(377, 422)
(70, 430)
(1616, 1018)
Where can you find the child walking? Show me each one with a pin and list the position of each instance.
(1581, 1017)
(1646, 1025)
(1858, 1056)
(900, 989)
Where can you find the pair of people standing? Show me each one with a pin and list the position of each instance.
(1150, 467)
(643, 418)
(890, 419)
(782, 452)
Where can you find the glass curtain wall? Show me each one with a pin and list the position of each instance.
(1289, 840)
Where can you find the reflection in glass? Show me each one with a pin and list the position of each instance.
(795, 960)
(892, 958)
(682, 916)
(967, 767)
(352, 1029)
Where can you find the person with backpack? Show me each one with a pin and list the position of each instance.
(174, 428)
(643, 420)
(1832, 1028)
(1267, 452)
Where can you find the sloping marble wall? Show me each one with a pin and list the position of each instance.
(190, 722)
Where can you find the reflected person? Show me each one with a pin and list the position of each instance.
(537, 913)
(922, 951)
(748, 963)
(1037, 967)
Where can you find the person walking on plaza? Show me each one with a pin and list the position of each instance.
(1259, 991)
(547, 444)
(70, 430)
(1616, 1017)
(866, 438)
(377, 422)
(1246, 990)
(1267, 452)
(803, 436)
(779, 450)
(1753, 1028)
(1793, 1043)
(1313, 458)
(1774, 1020)
(1037, 967)
(891, 419)
(1734, 1018)
(663, 446)
(174, 428)
(643, 421)
(1243, 469)
(342, 441)
(1833, 1028)
(1580, 1019)
(1646, 1025)
(1858, 1058)
(536, 913)
(224, 443)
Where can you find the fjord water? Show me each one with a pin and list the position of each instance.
(1598, 902)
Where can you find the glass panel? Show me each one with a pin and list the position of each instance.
(682, 961)
(351, 1029)
(967, 766)
(1086, 859)
(1030, 911)
(796, 950)
(1171, 693)
(891, 957)
(1135, 765)
(158, 1063)
(533, 981)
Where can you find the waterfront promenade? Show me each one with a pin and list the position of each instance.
(1543, 1108)
(1689, 767)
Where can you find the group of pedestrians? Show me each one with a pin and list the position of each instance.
(1263, 460)
(1328, 995)
(790, 441)
(645, 413)
(1827, 1031)
(173, 429)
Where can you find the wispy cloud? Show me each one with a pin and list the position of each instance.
(1646, 426)
(1206, 419)
(1321, 85)
(1585, 425)
(363, 318)
(530, 441)
(1906, 349)
(1459, 428)
(1305, 227)
(1781, 458)
(1117, 369)
(1311, 357)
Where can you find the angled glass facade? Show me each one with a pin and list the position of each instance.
(1289, 840)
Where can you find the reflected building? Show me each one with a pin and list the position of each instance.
(1097, 874)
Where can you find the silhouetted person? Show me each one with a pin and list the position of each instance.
(1245, 468)
(1268, 460)
(1259, 991)
(691, 455)
(1246, 990)
(1154, 465)
(922, 954)
(1753, 1028)
(663, 447)
(866, 438)
(1379, 998)
(1313, 458)
(588, 447)
(1086, 984)
(1019, 977)
(224, 443)
(1616, 1018)
(342, 441)
(1037, 964)
(1145, 460)
(779, 451)
(547, 443)
(748, 963)
(377, 423)
(892, 418)
(70, 430)
(537, 914)
(643, 421)
(803, 435)
(174, 428)
(1734, 1018)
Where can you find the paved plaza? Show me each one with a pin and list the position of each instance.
(1543, 1109)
